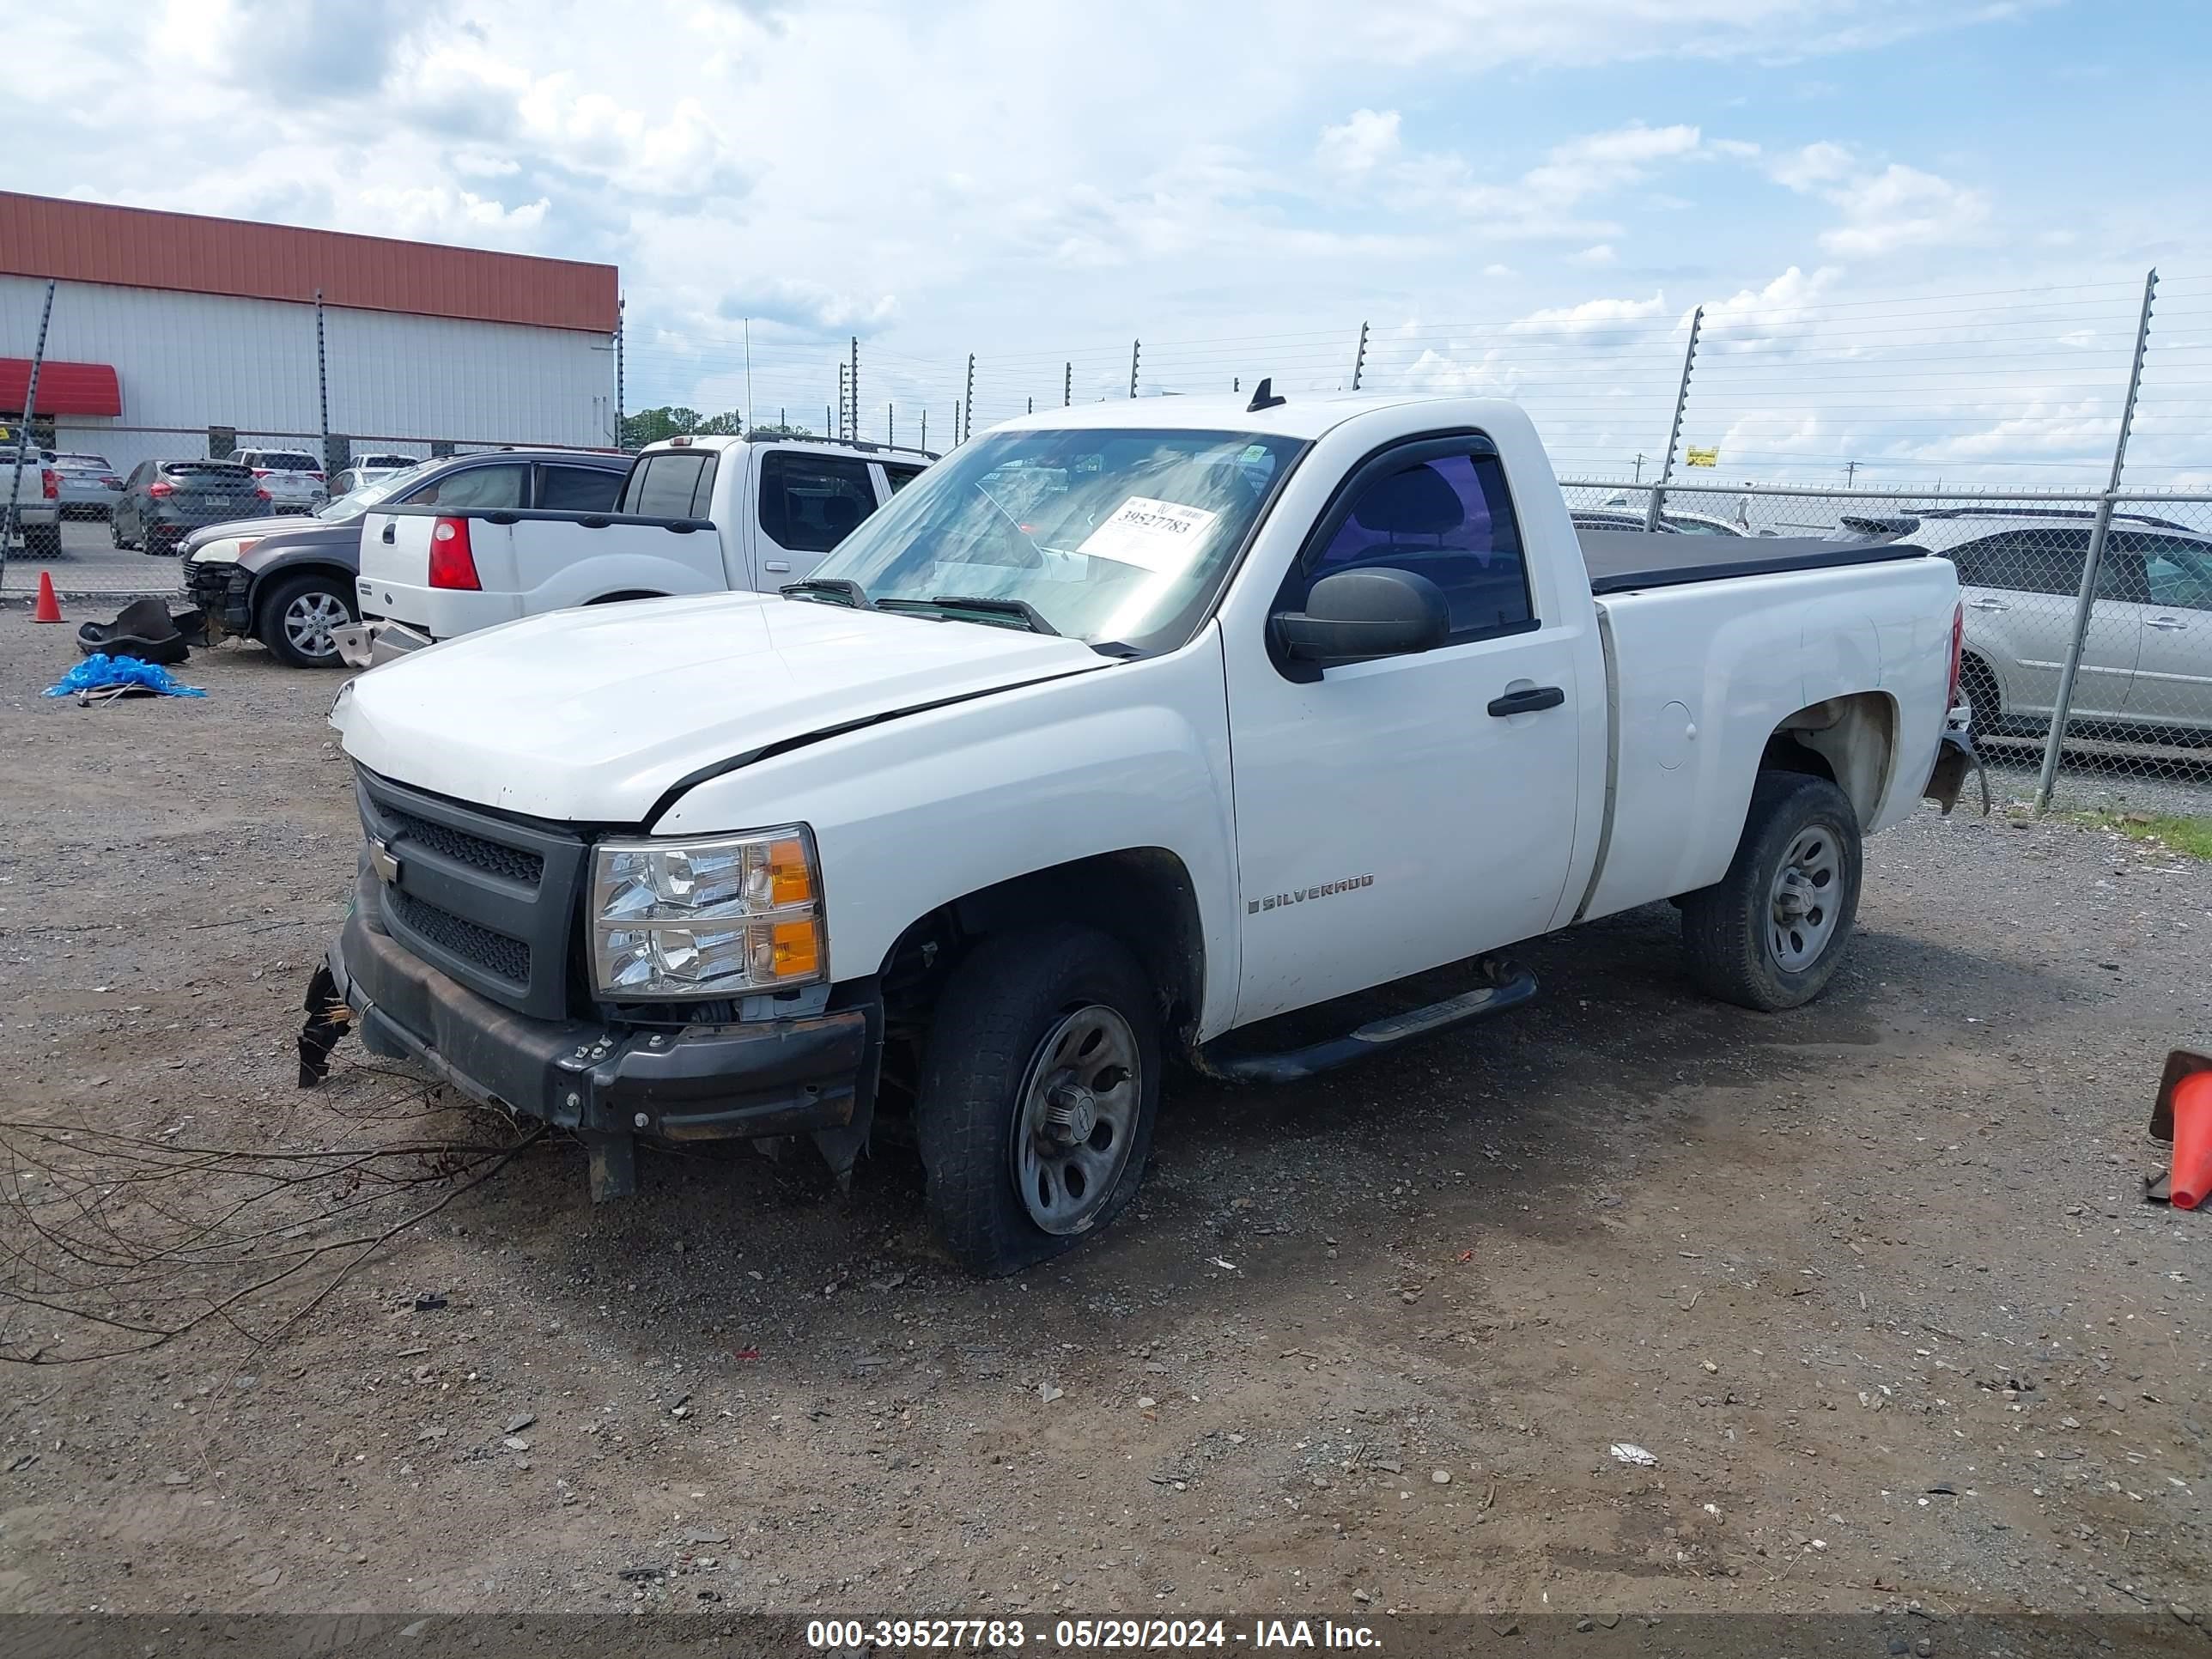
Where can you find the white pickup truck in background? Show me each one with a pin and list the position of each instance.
(697, 515)
(1124, 730)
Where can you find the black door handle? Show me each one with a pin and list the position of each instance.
(388, 536)
(1528, 702)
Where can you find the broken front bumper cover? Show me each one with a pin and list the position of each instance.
(748, 1080)
(369, 644)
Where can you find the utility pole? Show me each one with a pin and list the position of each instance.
(1135, 347)
(1359, 358)
(1674, 432)
(24, 439)
(2087, 596)
(1851, 472)
(1639, 466)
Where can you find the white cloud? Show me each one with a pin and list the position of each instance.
(1902, 207)
(1361, 144)
(1601, 253)
(1607, 161)
(1884, 210)
(1823, 163)
(1590, 317)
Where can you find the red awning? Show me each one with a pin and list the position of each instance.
(63, 388)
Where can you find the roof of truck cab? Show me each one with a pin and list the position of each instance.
(1301, 415)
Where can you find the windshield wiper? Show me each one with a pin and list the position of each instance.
(839, 590)
(1018, 610)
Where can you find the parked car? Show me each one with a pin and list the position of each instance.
(163, 501)
(697, 515)
(2146, 665)
(289, 582)
(88, 485)
(1123, 728)
(38, 488)
(1670, 524)
(380, 460)
(345, 482)
(293, 478)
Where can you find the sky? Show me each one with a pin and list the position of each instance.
(1919, 228)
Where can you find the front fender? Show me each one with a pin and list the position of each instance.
(922, 809)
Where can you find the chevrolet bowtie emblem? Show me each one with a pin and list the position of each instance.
(382, 860)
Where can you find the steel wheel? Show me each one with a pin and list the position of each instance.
(309, 620)
(1072, 1135)
(1804, 900)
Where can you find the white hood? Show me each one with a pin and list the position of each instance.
(590, 715)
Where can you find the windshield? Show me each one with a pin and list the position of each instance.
(1111, 535)
(344, 509)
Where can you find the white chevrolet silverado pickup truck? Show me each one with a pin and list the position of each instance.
(1121, 730)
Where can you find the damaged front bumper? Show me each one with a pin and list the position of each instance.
(613, 1084)
(376, 641)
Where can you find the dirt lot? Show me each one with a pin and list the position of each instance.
(1873, 1282)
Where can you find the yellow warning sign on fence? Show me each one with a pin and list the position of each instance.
(1696, 457)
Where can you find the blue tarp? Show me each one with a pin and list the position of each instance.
(101, 669)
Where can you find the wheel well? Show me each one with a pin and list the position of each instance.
(1142, 896)
(1973, 664)
(617, 598)
(1851, 741)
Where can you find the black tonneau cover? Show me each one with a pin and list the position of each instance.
(1622, 560)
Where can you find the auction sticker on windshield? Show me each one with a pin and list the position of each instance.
(1161, 537)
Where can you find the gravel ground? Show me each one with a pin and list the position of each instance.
(1873, 1282)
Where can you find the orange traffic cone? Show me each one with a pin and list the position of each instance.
(2191, 1181)
(49, 608)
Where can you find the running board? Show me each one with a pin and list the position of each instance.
(1514, 986)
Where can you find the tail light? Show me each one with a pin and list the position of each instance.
(318, 477)
(261, 472)
(160, 487)
(452, 563)
(263, 496)
(1957, 649)
(49, 484)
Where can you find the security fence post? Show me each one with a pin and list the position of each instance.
(323, 384)
(23, 438)
(2086, 598)
(1359, 358)
(1674, 432)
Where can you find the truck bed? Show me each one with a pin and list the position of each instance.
(1621, 561)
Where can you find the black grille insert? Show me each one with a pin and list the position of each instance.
(514, 863)
(494, 953)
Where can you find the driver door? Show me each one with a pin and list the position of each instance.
(1396, 814)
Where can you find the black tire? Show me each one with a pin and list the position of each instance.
(1978, 688)
(115, 532)
(271, 619)
(1004, 1004)
(1738, 948)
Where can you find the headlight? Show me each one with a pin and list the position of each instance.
(707, 918)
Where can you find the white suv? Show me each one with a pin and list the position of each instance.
(294, 483)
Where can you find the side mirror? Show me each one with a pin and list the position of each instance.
(1356, 615)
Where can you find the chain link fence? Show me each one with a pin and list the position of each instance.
(2139, 707)
(2006, 412)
